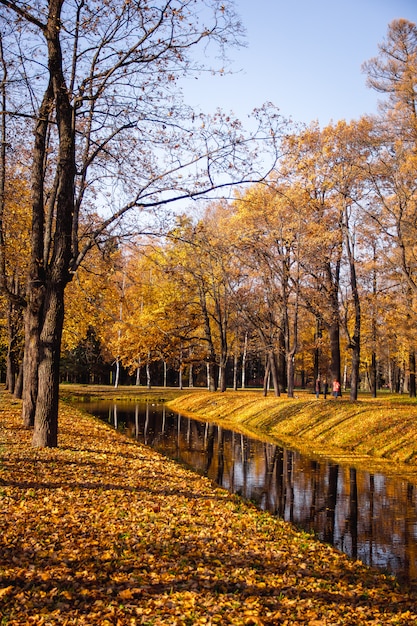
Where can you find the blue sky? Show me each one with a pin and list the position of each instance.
(305, 57)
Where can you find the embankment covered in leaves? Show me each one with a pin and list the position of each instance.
(381, 431)
(103, 530)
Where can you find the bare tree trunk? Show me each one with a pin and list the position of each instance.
(266, 377)
(211, 355)
(244, 357)
(46, 417)
(117, 373)
(31, 360)
(334, 335)
(374, 374)
(274, 372)
(412, 367)
(355, 342)
(148, 372)
(18, 390)
(235, 366)
(222, 376)
(290, 375)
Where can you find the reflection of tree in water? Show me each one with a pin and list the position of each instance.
(331, 501)
(410, 537)
(351, 525)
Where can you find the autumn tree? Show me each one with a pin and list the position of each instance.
(391, 168)
(268, 238)
(109, 130)
(200, 257)
(309, 159)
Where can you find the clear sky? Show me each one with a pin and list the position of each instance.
(305, 57)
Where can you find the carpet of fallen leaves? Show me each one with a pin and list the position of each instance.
(105, 531)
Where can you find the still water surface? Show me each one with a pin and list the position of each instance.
(368, 516)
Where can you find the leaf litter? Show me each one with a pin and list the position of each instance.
(103, 530)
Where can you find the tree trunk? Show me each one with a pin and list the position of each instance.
(244, 357)
(334, 336)
(412, 367)
(117, 373)
(290, 375)
(235, 366)
(15, 335)
(356, 339)
(274, 372)
(211, 354)
(31, 356)
(266, 377)
(374, 376)
(222, 378)
(18, 390)
(318, 337)
(148, 372)
(46, 416)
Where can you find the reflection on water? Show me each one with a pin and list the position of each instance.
(367, 516)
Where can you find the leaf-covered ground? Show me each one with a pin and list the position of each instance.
(105, 531)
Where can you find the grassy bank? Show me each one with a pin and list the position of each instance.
(103, 530)
(377, 434)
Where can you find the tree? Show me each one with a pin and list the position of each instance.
(310, 161)
(269, 240)
(98, 83)
(200, 261)
(391, 170)
(393, 72)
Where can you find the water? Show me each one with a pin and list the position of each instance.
(370, 517)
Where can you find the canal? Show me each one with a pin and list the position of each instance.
(370, 517)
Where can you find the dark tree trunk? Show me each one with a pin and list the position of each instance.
(374, 375)
(274, 372)
(290, 376)
(356, 339)
(18, 390)
(282, 353)
(15, 342)
(412, 367)
(354, 381)
(334, 336)
(50, 256)
(35, 287)
(318, 337)
(46, 417)
(222, 381)
(211, 355)
(266, 377)
(31, 361)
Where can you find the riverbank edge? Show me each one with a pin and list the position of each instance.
(378, 435)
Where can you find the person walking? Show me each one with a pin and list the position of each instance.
(336, 389)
